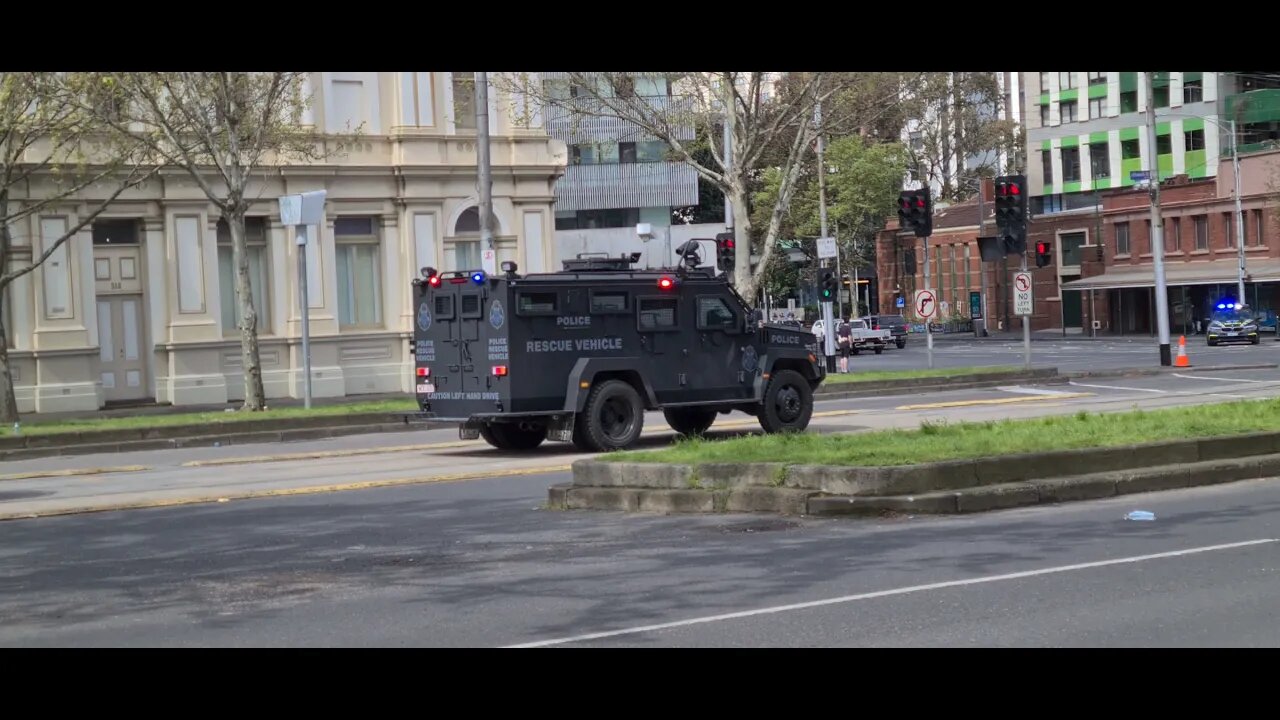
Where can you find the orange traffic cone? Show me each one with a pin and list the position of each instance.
(1182, 360)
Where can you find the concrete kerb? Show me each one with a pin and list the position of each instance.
(944, 487)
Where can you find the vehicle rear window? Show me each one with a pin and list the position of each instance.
(891, 320)
(470, 306)
(444, 307)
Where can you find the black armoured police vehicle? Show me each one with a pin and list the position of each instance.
(579, 355)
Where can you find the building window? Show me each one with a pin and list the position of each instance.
(1097, 78)
(359, 274)
(916, 140)
(1097, 107)
(1068, 111)
(1177, 234)
(1164, 144)
(1161, 96)
(1129, 101)
(1046, 166)
(1066, 80)
(1229, 228)
(649, 151)
(598, 153)
(1194, 139)
(464, 100)
(1044, 116)
(1192, 91)
(627, 152)
(255, 235)
(1044, 82)
(1070, 164)
(1071, 244)
(1100, 160)
(1244, 227)
(1129, 149)
(1258, 230)
(1202, 232)
(1150, 237)
(1122, 238)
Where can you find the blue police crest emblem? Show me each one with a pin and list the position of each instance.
(496, 318)
(750, 360)
(424, 317)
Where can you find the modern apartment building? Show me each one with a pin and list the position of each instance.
(618, 177)
(140, 307)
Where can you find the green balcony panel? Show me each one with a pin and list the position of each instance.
(1256, 106)
(1128, 81)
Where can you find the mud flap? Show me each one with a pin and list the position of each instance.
(560, 428)
(469, 431)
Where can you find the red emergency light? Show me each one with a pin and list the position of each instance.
(500, 370)
(424, 372)
(666, 283)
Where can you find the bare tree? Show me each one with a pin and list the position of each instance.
(47, 140)
(770, 118)
(226, 130)
(960, 133)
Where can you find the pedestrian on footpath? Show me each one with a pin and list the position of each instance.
(844, 336)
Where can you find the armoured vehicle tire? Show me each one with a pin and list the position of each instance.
(612, 419)
(879, 350)
(512, 436)
(689, 421)
(788, 403)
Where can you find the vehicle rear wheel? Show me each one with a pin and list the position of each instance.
(513, 436)
(879, 350)
(901, 344)
(788, 403)
(689, 421)
(612, 419)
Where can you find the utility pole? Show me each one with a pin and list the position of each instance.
(1157, 229)
(1240, 239)
(828, 319)
(982, 266)
(485, 173)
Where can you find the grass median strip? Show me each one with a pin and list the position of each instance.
(215, 420)
(939, 373)
(935, 442)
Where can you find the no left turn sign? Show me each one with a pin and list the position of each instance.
(925, 304)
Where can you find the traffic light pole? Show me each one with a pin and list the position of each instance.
(1026, 326)
(1157, 230)
(828, 319)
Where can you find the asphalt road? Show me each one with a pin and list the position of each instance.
(73, 483)
(478, 564)
(1065, 354)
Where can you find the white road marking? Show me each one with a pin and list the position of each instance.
(889, 593)
(1222, 379)
(1117, 387)
(1022, 389)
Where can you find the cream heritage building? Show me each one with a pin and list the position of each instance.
(140, 305)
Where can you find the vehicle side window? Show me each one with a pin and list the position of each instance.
(608, 302)
(656, 314)
(714, 314)
(536, 303)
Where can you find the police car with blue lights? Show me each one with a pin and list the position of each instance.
(580, 354)
(1232, 322)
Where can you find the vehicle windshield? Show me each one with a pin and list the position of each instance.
(1233, 315)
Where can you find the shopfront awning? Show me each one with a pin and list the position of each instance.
(1222, 271)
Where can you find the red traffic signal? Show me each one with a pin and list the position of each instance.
(1042, 248)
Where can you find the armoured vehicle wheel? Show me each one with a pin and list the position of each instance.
(689, 421)
(788, 403)
(612, 420)
(879, 350)
(513, 436)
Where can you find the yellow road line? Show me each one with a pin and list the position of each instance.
(355, 452)
(994, 401)
(284, 492)
(73, 472)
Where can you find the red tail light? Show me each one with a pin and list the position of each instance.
(424, 372)
(434, 281)
(500, 370)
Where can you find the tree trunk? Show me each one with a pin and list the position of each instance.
(744, 280)
(254, 396)
(8, 399)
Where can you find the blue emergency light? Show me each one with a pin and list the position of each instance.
(477, 277)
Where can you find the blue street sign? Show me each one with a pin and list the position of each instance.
(1139, 175)
(902, 302)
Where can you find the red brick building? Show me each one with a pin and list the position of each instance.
(1117, 278)
(1102, 279)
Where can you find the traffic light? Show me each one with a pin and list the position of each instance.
(915, 211)
(827, 285)
(1011, 212)
(726, 246)
(1044, 255)
(909, 261)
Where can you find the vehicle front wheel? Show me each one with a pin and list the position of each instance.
(788, 403)
(513, 436)
(689, 421)
(612, 419)
(1256, 339)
